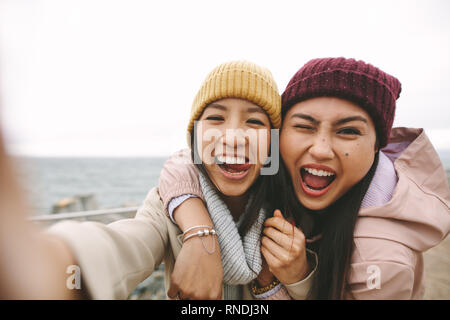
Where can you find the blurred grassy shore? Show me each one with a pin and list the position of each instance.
(437, 271)
(437, 267)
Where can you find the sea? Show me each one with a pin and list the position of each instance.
(115, 182)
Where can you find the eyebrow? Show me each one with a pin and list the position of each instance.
(336, 123)
(306, 117)
(255, 109)
(217, 106)
(349, 119)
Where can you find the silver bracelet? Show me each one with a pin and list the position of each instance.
(200, 233)
(196, 227)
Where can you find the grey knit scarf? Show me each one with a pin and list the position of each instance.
(239, 255)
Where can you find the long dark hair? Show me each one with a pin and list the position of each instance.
(258, 190)
(336, 225)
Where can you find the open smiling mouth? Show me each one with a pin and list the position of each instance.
(234, 168)
(316, 182)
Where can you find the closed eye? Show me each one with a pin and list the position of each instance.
(255, 121)
(301, 126)
(349, 131)
(215, 118)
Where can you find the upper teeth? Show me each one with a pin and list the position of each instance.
(231, 160)
(320, 173)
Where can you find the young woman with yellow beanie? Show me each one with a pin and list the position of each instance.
(237, 97)
(368, 198)
(253, 89)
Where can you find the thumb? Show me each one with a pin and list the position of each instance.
(277, 213)
(173, 290)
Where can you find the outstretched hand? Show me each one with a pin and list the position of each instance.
(32, 265)
(197, 275)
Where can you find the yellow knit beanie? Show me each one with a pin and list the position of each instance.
(239, 79)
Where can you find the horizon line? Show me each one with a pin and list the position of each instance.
(23, 155)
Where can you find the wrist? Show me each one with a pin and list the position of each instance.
(264, 281)
(304, 272)
(205, 233)
(258, 289)
(198, 231)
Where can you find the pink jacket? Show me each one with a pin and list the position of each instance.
(387, 261)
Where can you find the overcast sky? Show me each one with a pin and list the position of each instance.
(117, 78)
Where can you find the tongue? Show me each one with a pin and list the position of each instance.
(316, 182)
(237, 167)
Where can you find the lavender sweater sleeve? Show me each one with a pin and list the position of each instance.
(178, 177)
(175, 202)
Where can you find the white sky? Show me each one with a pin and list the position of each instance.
(117, 78)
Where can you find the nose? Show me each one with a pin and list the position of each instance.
(321, 148)
(234, 139)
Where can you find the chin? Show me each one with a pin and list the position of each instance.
(233, 191)
(314, 204)
(234, 188)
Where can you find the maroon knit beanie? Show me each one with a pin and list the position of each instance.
(372, 89)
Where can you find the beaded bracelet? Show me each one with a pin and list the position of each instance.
(196, 227)
(201, 234)
(256, 290)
